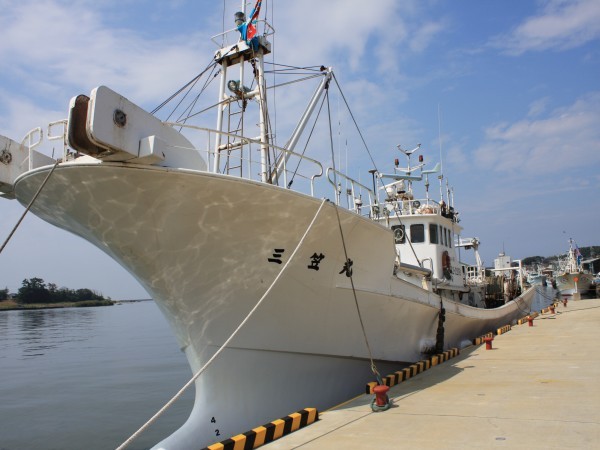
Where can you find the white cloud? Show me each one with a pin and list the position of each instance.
(560, 25)
(538, 107)
(70, 44)
(425, 34)
(351, 28)
(567, 138)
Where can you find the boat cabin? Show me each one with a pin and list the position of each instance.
(425, 237)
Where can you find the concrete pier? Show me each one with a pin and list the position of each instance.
(537, 388)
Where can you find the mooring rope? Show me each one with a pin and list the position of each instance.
(362, 325)
(229, 339)
(348, 261)
(29, 206)
(545, 296)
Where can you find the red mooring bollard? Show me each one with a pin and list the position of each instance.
(488, 342)
(530, 320)
(552, 309)
(565, 302)
(381, 398)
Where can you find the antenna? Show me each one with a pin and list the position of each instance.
(440, 139)
(441, 175)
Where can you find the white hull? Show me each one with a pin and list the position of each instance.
(200, 244)
(569, 284)
(537, 280)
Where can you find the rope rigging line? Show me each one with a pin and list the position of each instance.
(288, 67)
(191, 84)
(226, 343)
(355, 123)
(29, 206)
(299, 80)
(349, 271)
(273, 53)
(182, 118)
(306, 144)
(181, 89)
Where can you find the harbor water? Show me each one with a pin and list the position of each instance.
(89, 377)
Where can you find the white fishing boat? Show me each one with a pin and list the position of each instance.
(536, 278)
(571, 280)
(299, 280)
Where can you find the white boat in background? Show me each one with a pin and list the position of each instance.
(571, 280)
(536, 278)
(301, 298)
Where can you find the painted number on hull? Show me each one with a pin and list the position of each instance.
(217, 432)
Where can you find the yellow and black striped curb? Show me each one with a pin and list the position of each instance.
(412, 370)
(480, 340)
(268, 432)
(504, 329)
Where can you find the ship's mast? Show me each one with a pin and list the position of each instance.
(243, 51)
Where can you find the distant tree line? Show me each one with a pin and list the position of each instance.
(35, 290)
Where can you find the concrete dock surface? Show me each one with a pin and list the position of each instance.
(537, 388)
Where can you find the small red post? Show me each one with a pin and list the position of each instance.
(381, 398)
(552, 309)
(488, 342)
(565, 302)
(530, 320)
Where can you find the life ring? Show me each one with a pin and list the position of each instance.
(399, 235)
(446, 265)
(416, 204)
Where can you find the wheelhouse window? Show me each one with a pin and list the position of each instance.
(417, 233)
(433, 233)
(449, 238)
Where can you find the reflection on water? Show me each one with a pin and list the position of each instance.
(88, 377)
(33, 333)
(544, 296)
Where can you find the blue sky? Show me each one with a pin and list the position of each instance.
(513, 85)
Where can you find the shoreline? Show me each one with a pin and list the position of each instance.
(11, 305)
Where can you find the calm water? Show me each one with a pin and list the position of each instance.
(87, 378)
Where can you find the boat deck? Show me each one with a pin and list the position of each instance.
(536, 388)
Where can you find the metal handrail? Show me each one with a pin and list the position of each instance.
(268, 31)
(209, 153)
(31, 145)
(353, 183)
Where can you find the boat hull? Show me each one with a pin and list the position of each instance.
(537, 280)
(573, 284)
(209, 247)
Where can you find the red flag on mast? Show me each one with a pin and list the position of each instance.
(251, 27)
